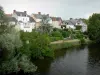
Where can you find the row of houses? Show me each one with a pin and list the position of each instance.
(27, 23)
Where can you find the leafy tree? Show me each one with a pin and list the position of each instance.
(56, 34)
(94, 27)
(85, 21)
(78, 27)
(36, 45)
(45, 26)
(10, 44)
(3, 21)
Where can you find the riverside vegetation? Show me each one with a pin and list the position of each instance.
(19, 49)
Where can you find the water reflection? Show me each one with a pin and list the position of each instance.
(93, 60)
(84, 60)
(67, 62)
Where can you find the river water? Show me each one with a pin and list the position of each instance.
(84, 60)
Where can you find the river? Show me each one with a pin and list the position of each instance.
(84, 60)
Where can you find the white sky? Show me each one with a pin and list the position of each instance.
(61, 8)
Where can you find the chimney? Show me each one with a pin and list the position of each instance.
(47, 14)
(39, 13)
(25, 12)
(14, 11)
(71, 18)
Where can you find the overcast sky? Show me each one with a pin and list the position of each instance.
(61, 8)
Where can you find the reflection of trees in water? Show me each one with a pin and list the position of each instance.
(94, 54)
(43, 64)
(93, 67)
(62, 53)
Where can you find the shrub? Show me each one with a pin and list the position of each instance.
(55, 38)
(65, 34)
(79, 35)
(16, 64)
(82, 41)
(78, 27)
(38, 44)
(56, 34)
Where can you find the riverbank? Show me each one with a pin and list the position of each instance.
(61, 44)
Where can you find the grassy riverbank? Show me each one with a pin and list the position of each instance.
(67, 43)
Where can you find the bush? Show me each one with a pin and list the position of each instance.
(78, 27)
(56, 34)
(55, 38)
(38, 44)
(79, 35)
(82, 41)
(65, 34)
(16, 64)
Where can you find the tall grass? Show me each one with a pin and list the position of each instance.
(64, 45)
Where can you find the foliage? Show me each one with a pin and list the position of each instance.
(10, 44)
(55, 38)
(56, 29)
(78, 27)
(79, 35)
(25, 64)
(94, 27)
(45, 26)
(16, 64)
(64, 34)
(82, 41)
(65, 45)
(38, 46)
(56, 34)
(85, 21)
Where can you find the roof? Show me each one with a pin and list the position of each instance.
(31, 19)
(56, 18)
(74, 21)
(40, 16)
(67, 22)
(20, 13)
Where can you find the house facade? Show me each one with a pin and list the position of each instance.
(72, 23)
(24, 21)
(67, 24)
(39, 18)
(56, 22)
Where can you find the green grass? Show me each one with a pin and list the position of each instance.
(66, 44)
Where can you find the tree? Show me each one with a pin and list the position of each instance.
(94, 27)
(12, 60)
(3, 21)
(45, 26)
(36, 45)
(85, 21)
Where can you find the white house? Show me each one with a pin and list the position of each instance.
(68, 24)
(72, 23)
(24, 22)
